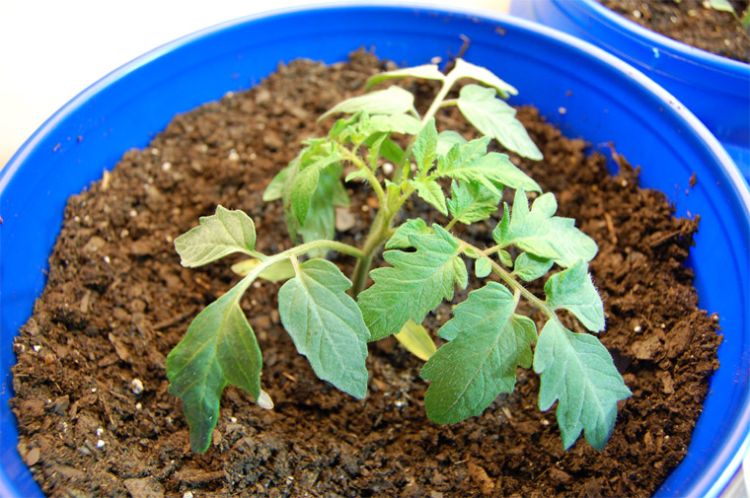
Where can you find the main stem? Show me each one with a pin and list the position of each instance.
(379, 233)
(381, 226)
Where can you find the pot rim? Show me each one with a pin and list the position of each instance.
(660, 41)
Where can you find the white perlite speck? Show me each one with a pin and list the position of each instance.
(136, 386)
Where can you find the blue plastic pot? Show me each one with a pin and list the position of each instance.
(606, 100)
(715, 88)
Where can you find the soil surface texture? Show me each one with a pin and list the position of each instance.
(692, 22)
(95, 417)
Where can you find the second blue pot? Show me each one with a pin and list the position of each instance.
(715, 88)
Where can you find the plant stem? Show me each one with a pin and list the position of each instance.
(439, 98)
(379, 233)
(371, 178)
(381, 225)
(508, 278)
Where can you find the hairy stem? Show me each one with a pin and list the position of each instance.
(379, 232)
(451, 224)
(403, 171)
(370, 176)
(439, 98)
(514, 284)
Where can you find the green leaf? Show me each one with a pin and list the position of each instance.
(425, 72)
(415, 339)
(313, 160)
(216, 236)
(505, 257)
(464, 69)
(416, 283)
(401, 237)
(496, 119)
(574, 291)
(321, 217)
(219, 349)
(425, 147)
(530, 267)
(391, 151)
(483, 267)
(463, 153)
(486, 345)
(493, 171)
(275, 189)
(320, 220)
(303, 187)
(721, 5)
(471, 202)
(281, 270)
(393, 100)
(447, 139)
(577, 371)
(430, 192)
(394, 123)
(540, 233)
(326, 325)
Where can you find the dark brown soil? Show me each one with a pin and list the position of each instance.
(117, 301)
(692, 22)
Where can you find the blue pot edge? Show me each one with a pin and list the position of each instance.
(739, 443)
(661, 41)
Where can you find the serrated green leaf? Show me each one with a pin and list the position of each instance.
(425, 147)
(219, 349)
(577, 371)
(415, 283)
(415, 339)
(281, 270)
(496, 119)
(482, 267)
(223, 233)
(463, 153)
(539, 233)
(464, 69)
(471, 202)
(447, 139)
(401, 237)
(486, 346)
(425, 72)
(392, 100)
(493, 171)
(275, 189)
(574, 291)
(326, 325)
(530, 267)
(430, 192)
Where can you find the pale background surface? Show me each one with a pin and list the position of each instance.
(50, 50)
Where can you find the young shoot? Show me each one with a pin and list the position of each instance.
(331, 317)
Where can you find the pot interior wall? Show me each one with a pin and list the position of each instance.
(577, 87)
